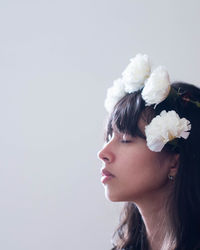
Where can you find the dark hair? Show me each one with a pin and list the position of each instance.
(184, 203)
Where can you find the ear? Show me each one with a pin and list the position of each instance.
(174, 165)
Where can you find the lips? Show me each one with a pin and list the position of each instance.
(105, 172)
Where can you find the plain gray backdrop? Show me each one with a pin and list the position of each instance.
(57, 59)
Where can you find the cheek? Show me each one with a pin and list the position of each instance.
(141, 176)
(149, 169)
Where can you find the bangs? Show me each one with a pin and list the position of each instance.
(126, 115)
(131, 110)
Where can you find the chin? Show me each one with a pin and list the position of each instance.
(114, 198)
(121, 198)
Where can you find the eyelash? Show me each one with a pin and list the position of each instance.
(125, 141)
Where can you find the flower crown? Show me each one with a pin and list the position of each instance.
(155, 88)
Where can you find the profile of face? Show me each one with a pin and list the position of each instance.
(139, 173)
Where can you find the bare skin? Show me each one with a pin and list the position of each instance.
(141, 176)
(154, 217)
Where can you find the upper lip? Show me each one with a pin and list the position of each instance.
(105, 172)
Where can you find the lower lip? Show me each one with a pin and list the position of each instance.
(105, 178)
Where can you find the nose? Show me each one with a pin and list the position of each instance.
(105, 155)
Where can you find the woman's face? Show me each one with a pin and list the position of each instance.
(139, 173)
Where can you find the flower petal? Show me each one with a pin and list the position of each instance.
(136, 73)
(164, 128)
(157, 86)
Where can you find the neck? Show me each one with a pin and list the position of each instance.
(156, 227)
(154, 214)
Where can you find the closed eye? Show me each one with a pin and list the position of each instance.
(126, 141)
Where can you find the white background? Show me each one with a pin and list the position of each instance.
(57, 58)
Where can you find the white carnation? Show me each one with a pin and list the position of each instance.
(165, 127)
(114, 94)
(136, 73)
(157, 86)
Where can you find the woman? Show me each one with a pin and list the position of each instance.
(151, 159)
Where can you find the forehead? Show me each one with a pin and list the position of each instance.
(114, 128)
(140, 124)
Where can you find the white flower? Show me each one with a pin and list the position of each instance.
(114, 94)
(165, 127)
(136, 73)
(157, 86)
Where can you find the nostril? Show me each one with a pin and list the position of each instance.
(105, 155)
(101, 156)
(105, 158)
